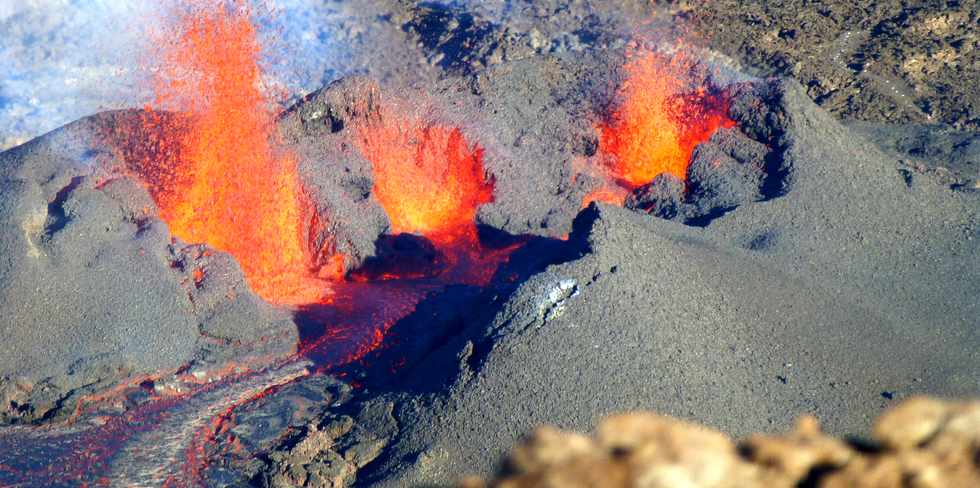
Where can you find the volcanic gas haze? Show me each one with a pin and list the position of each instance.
(230, 186)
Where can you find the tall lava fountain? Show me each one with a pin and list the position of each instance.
(229, 186)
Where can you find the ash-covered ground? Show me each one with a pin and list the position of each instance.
(820, 254)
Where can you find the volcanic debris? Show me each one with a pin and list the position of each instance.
(922, 442)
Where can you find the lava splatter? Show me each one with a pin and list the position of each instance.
(430, 180)
(230, 186)
(427, 177)
(657, 124)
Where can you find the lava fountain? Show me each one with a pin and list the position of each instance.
(430, 181)
(427, 177)
(229, 186)
(657, 123)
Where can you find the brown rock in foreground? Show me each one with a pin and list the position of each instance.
(922, 442)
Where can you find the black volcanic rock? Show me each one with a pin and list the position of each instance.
(320, 131)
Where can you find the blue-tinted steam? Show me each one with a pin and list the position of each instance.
(65, 59)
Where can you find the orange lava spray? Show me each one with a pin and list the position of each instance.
(427, 177)
(657, 124)
(232, 188)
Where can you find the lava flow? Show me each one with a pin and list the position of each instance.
(657, 124)
(229, 186)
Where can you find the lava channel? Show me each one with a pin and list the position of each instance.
(431, 182)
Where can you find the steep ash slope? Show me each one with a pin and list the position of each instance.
(905, 244)
(849, 289)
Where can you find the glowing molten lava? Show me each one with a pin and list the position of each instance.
(657, 123)
(231, 188)
(429, 180)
